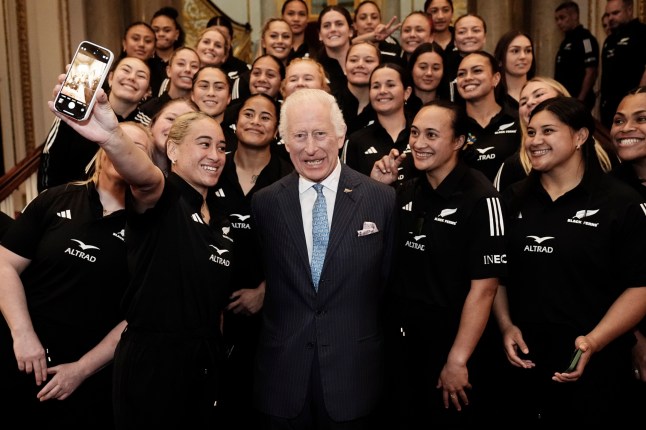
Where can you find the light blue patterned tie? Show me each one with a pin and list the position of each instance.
(320, 233)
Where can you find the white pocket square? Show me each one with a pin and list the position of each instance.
(368, 228)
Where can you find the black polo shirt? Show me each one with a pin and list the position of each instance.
(390, 51)
(448, 237)
(578, 51)
(623, 59)
(334, 71)
(154, 105)
(569, 259)
(349, 106)
(488, 147)
(78, 270)
(366, 146)
(66, 153)
(230, 202)
(180, 265)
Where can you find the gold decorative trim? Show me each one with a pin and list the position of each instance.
(64, 18)
(25, 75)
(195, 15)
(640, 11)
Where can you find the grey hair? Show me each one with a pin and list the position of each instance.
(303, 98)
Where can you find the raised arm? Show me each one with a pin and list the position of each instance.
(145, 179)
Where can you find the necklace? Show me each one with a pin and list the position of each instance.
(254, 178)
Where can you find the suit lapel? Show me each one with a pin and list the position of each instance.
(348, 196)
(289, 203)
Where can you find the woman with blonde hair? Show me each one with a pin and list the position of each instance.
(168, 361)
(304, 73)
(212, 47)
(517, 166)
(64, 271)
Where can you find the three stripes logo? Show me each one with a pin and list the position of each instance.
(219, 193)
(496, 222)
(197, 218)
(408, 206)
(371, 150)
(65, 214)
(643, 206)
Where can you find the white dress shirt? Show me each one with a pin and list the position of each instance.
(307, 196)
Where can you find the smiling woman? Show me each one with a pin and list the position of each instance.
(173, 315)
(390, 87)
(434, 287)
(251, 167)
(211, 91)
(66, 154)
(276, 39)
(515, 53)
(591, 277)
(493, 133)
(212, 47)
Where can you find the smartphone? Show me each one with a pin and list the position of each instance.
(90, 66)
(574, 361)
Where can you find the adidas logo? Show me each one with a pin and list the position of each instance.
(408, 206)
(65, 214)
(219, 193)
(643, 206)
(197, 218)
(371, 150)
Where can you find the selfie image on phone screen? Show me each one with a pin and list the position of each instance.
(86, 74)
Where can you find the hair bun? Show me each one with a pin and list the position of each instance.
(167, 11)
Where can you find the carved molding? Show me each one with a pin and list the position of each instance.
(25, 75)
(196, 14)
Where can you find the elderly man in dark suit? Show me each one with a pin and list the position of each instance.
(320, 360)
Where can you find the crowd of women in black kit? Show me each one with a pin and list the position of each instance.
(134, 285)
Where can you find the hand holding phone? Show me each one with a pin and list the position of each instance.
(89, 68)
(574, 361)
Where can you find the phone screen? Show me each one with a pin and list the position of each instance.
(89, 67)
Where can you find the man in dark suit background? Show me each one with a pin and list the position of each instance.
(320, 359)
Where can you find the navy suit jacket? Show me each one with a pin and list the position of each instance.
(342, 322)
